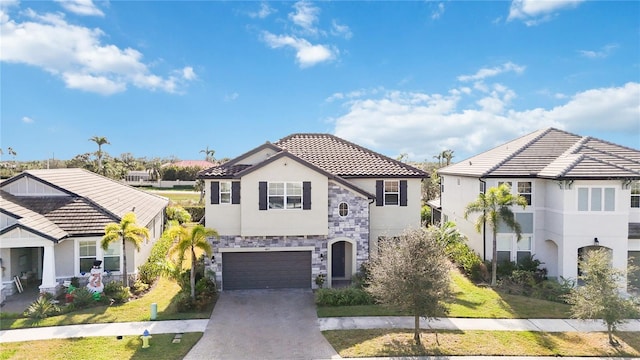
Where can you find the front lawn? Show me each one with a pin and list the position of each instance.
(471, 301)
(395, 342)
(163, 294)
(101, 348)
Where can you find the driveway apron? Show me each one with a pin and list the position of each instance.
(263, 324)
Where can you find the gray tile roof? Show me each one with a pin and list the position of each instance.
(112, 197)
(554, 154)
(29, 219)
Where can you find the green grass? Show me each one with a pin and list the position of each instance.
(396, 342)
(470, 301)
(162, 294)
(101, 348)
(186, 197)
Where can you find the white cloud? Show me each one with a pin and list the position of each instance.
(307, 54)
(265, 11)
(533, 12)
(231, 97)
(81, 7)
(340, 30)
(604, 52)
(305, 16)
(424, 124)
(491, 72)
(27, 120)
(77, 55)
(437, 13)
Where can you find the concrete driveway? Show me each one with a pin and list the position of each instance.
(263, 324)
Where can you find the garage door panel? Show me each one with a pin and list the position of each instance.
(266, 270)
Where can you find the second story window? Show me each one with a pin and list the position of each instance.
(635, 195)
(285, 195)
(225, 192)
(391, 192)
(596, 199)
(524, 190)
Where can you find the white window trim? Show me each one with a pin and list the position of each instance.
(78, 257)
(348, 209)
(221, 202)
(513, 245)
(285, 195)
(603, 191)
(635, 186)
(385, 192)
(530, 193)
(99, 256)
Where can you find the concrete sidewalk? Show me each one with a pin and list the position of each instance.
(110, 329)
(406, 322)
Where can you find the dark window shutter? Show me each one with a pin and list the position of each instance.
(215, 192)
(306, 195)
(235, 192)
(403, 192)
(262, 202)
(379, 192)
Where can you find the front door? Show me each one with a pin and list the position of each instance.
(337, 259)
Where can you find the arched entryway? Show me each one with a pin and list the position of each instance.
(342, 262)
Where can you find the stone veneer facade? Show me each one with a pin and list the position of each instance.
(354, 226)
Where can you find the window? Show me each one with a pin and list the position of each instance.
(635, 195)
(441, 184)
(505, 182)
(596, 199)
(391, 192)
(285, 195)
(508, 246)
(343, 209)
(225, 192)
(112, 257)
(524, 190)
(483, 187)
(87, 255)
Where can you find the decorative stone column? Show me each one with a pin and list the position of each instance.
(49, 283)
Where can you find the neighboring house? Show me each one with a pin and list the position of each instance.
(52, 222)
(144, 178)
(308, 205)
(582, 193)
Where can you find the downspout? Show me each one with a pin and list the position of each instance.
(484, 225)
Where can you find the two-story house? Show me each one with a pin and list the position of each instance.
(582, 192)
(52, 222)
(307, 205)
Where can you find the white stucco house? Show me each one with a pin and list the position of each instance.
(582, 192)
(52, 222)
(307, 205)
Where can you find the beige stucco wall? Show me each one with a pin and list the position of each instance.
(257, 222)
(65, 258)
(392, 220)
(224, 218)
(258, 157)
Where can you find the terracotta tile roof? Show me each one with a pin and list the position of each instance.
(192, 163)
(552, 153)
(73, 214)
(113, 197)
(345, 159)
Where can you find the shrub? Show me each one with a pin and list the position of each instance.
(41, 309)
(184, 302)
(196, 211)
(361, 279)
(156, 262)
(179, 214)
(139, 287)
(75, 282)
(116, 291)
(343, 297)
(465, 259)
(206, 286)
(82, 298)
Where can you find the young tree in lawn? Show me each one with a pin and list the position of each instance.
(190, 240)
(412, 274)
(600, 297)
(127, 231)
(494, 207)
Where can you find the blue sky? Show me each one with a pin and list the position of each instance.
(165, 78)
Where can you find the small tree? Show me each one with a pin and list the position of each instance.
(189, 240)
(127, 231)
(100, 140)
(495, 207)
(600, 297)
(412, 274)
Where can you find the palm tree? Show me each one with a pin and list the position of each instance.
(189, 240)
(447, 155)
(439, 157)
(100, 140)
(208, 154)
(154, 168)
(129, 231)
(494, 208)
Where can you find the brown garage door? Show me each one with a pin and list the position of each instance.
(266, 270)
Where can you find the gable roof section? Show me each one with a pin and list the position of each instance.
(29, 220)
(554, 154)
(113, 197)
(344, 158)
